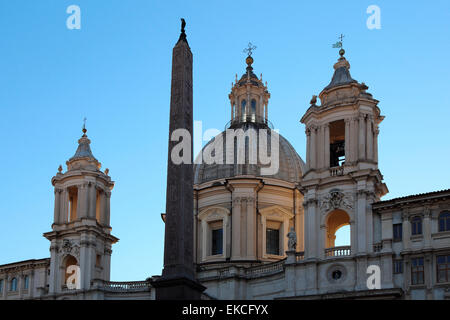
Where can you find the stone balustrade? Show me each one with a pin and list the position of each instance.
(299, 256)
(338, 251)
(337, 171)
(265, 269)
(126, 286)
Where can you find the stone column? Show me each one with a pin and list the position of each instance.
(308, 148)
(353, 236)
(320, 153)
(102, 207)
(427, 227)
(107, 263)
(205, 247)
(87, 260)
(347, 141)
(299, 223)
(251, 238)
(54, 267)
(313, 147)
(327, 146)
(56, 217)
(406, 230)
(323, 235)
(235, 230)
(310, 229)
(63, 218)
(369, 138)
(428, 272)
(375, 145)
(107, 208)
(370, 198)
(361, 227)
(31, 283)
(266, 106)
(82, 204)
(92, 201)
(361, 139)
(354, 140)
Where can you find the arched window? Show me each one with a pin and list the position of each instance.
(26, 282)
(71, 273)
(253, 111)
(444, 221)
(243, 104)
(337, 220)
(416, 226)
(13, 285)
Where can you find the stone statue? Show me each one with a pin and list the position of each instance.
(183, 25)
(292, 242)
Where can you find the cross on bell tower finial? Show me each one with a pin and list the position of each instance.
(249, 49)
(340, 44)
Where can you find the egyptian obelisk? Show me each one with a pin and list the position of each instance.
(178, 276)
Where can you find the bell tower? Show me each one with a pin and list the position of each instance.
(81, 237)
(342, 178)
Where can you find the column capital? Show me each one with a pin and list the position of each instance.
(83, 185)
(427, 212)
(237, 201)
(405, 215)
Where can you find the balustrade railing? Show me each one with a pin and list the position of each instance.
(299, 256)
(268, 268)
(337, 171)
(126, 286)
(338, 251)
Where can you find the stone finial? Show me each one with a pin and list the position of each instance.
(313, 100)
(363, 87)
(60, 169)
(106, 171)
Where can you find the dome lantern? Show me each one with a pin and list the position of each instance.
(249, 97)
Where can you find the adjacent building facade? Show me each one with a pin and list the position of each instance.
(262, 234)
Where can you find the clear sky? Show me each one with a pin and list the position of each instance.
(116, 72)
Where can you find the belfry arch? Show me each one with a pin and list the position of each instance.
(335, 220)
(68, 261)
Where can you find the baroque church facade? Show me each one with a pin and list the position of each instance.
(264, 236)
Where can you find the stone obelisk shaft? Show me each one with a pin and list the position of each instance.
(178, 277)
(178, 244)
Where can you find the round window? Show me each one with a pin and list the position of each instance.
(336, 274)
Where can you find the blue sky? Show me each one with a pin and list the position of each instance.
(116, 69)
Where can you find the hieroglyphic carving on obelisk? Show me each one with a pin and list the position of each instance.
(178, 244)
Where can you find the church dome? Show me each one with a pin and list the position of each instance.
(290, 168)
(251, 131)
